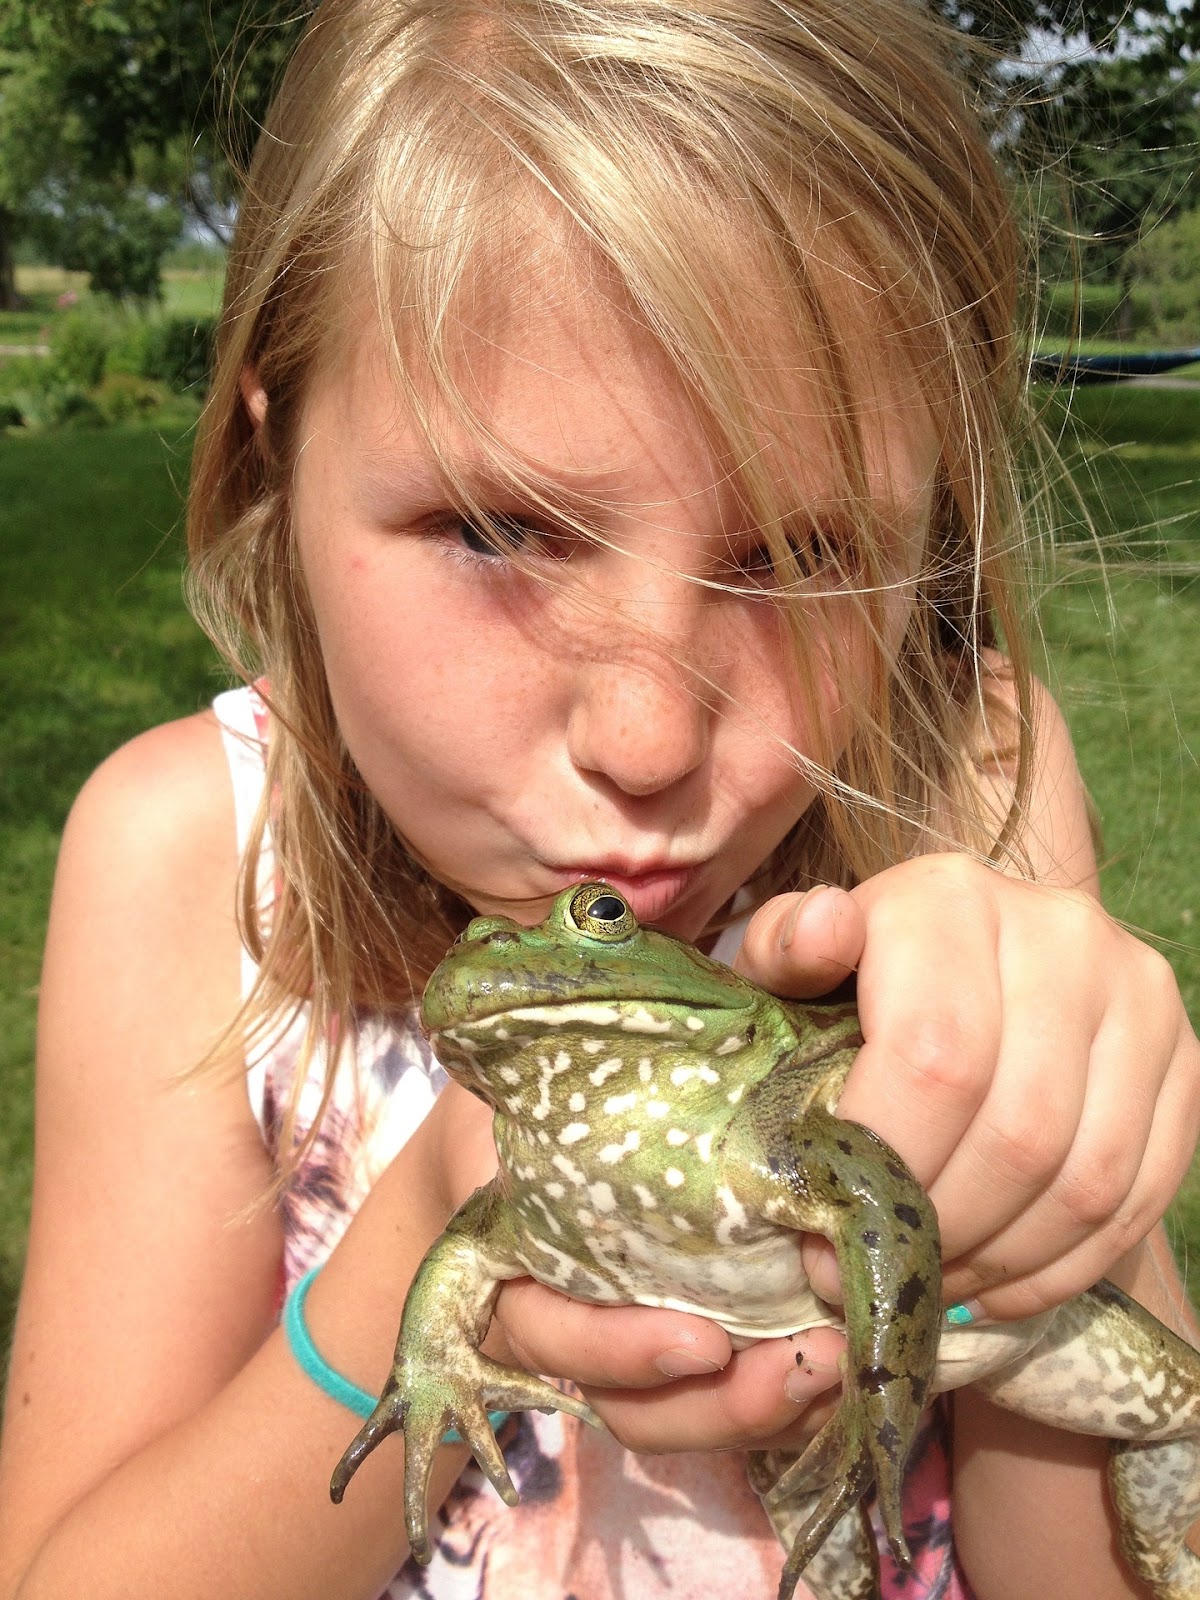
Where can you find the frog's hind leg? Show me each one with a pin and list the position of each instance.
(813, 1171)
(1107, 1367)
(1156, 1490)
(846, 1565)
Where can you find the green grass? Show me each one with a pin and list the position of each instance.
(95, 645)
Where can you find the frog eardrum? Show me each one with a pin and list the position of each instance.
(664, 1128)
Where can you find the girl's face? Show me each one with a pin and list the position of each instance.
(593, 711)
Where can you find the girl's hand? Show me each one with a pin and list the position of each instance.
(1030, 1060)
(661, 1380)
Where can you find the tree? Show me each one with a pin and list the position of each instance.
(108, 107)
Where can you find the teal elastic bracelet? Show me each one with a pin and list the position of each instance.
(314, 1365)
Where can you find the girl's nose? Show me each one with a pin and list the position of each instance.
(642, 717)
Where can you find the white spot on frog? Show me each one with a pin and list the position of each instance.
(605, 1069)
(682, 1224)
(735, 1095)
(674, 1177)
(573, 1132)
(645, 1199)
(602, 1197)
(618, 1104)
(569, 1170)
(677, 1136)
(563, 1062)
(593, 1047)
(657, 1108)
(614, 1152)
(510, 1075)
(589, 1011)
(732, 1216)
(577, 1102)
(682, 1075)
(555, 1190)
(704, 1145)
(694, 1025)
(638, 1020)
(735, 1041)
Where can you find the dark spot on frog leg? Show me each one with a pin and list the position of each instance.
(870, 1238)
(889, 1441)
(909, 1215)
(901, 1174)
(845, 1146)
(911, 1294)
(872, 1379)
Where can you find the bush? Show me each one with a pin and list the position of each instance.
(178, 351)
(11, 415)
(79, 346)
(123, 395)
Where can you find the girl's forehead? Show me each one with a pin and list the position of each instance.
(560, 374)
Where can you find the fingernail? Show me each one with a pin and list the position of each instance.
(685, 1364)
(965, 1314)
(809, 1377)
(787, 932)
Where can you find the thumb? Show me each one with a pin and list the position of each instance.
(803, 945)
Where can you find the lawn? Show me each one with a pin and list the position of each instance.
(187, 292)
(95, 645)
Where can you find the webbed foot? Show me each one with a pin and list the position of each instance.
(425, 1402)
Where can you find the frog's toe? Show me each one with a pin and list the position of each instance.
(509, 1389)
(388, 1417)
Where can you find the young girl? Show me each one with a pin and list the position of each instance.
(608, 472)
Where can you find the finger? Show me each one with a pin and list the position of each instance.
(764, 1396)
(1035, 1113)
(803, 945)
(1019, 1271)
(628, 1347)
(930, 1011)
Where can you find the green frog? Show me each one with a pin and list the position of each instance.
(664, 1128)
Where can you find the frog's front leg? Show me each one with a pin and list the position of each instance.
(808, 1170)
(439, 1379)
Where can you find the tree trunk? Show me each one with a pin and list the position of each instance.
(10, 300)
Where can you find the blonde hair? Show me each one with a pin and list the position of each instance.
(718, 157)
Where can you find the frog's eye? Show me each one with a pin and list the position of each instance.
(600, 912)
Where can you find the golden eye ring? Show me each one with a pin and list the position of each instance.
(601, 913)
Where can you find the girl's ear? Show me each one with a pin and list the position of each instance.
(254, 396)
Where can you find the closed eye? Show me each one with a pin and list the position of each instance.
(494, 538)
(811, 555)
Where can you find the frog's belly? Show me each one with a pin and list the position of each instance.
(755, 1289)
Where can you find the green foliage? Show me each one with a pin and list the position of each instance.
(79, 346)
(1067, 312)
(119, 237)
(178, 352)
(123, 395)
(1167, 263)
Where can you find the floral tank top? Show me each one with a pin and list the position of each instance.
(595, 1521)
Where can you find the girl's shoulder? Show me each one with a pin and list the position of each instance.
(160, 805)
(145, 888)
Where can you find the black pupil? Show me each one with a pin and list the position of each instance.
(607, 908)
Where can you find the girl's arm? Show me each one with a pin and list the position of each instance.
(159, 1438)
